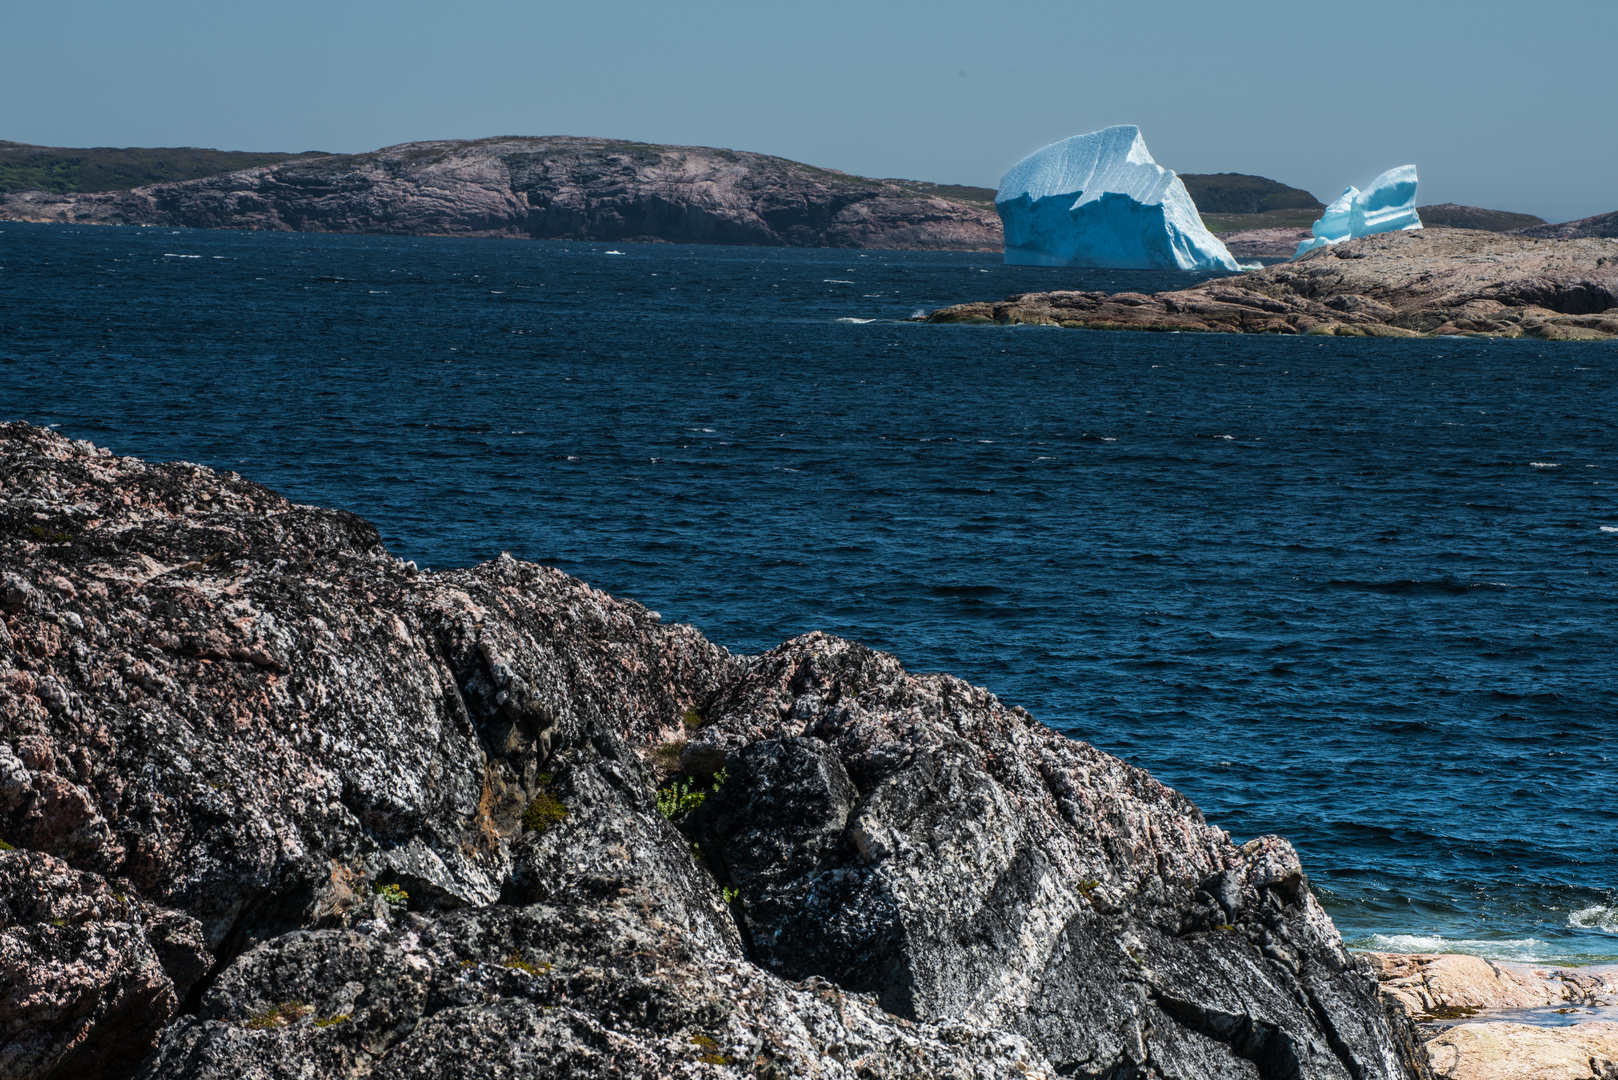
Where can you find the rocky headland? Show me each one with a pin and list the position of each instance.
(550, 188)
(1400, 284)
(1601, 225)
(278, 804)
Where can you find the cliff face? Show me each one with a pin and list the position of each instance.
(1399, 284)
(280, 805)
(548, 188)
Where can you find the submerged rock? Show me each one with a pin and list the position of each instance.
(303, 810)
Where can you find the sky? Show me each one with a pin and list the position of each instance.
(1506, 106)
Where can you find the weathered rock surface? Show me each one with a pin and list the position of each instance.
(283, 806)
(1499, 1004)
(1440, 986)
(1406, 284)
(552, 187)
(1506, 1051)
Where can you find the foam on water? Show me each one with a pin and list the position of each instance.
(1521, 950)
(1601, 917)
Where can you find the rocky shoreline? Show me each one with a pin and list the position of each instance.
(1405, 284)
(275, 803)
(549, 188)
(1484, 1020)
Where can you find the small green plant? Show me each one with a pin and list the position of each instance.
(692, 719)
(710, 1051)
(678, 800)
(730, 894)
(6, 847)
(340, 1018)
(48, 536)
(392, 895)
(546, 810)
(696, 852)
(278, 1015)
(1087, 886)
(58, 922)
(516, 962)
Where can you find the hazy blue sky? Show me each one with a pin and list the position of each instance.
(1510, 106)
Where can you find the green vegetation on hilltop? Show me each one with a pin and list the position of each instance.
(1451, 216)
(62, 170)
(1238, 193)
(1272, 219)
(964, 193)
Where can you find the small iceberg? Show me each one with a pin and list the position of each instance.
(1100, 200)
(1388, 204)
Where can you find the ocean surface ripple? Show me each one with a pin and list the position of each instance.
(1359, 593)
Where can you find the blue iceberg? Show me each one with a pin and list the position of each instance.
(1100, 200)
(1388, 204)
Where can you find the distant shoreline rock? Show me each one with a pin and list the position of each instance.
(1602, 225)
(1399, 284)
(1485, 1020)
(277, 803)
(550, 188)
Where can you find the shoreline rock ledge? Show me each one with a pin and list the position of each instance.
(1432, 282)
(277, 804)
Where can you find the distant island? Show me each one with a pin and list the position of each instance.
(554, 187)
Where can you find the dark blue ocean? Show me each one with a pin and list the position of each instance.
(1360, 593)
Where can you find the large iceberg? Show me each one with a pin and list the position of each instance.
(1100, 200)
(1387, 205)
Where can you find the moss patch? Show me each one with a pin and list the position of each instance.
(546, 810)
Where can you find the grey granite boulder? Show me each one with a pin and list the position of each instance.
(280, 805)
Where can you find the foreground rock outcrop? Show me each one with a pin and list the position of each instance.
(277, 804)
(1404, 284)
(548, 188)
(1489, 1021)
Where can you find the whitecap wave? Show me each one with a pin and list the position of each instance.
(1545, 464)
(836, 281)
(1609, 528)
(1595, 917)
(851, 319)
(1524, 950)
